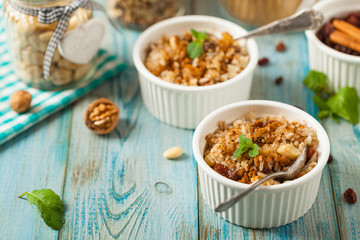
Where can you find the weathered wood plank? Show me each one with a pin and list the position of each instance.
(33, 160)
(320, 221)
(119, 185)
(345, 168)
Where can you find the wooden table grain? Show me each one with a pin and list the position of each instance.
(119, 186)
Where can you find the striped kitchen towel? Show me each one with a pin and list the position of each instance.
(43, 103)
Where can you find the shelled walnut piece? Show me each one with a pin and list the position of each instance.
(20, 101)
(29, 41)
(101, 116)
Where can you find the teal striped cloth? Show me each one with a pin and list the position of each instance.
(43, 103)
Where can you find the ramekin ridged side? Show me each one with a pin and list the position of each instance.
(186, 109)
(267, 206)
(341, 69)
(258, 209)
(185, 106)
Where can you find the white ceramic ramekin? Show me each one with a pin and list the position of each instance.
(185, 106)
(342, 69)
(267, 206)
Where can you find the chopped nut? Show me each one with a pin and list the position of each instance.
(173, 152)
(20, 101)
(350, 196)
(288, 151)
(101, 116)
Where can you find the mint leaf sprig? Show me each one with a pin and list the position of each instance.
(245, 144)
(49, 205)
(195, 48)
(342, 104)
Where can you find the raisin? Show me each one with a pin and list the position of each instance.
(263, 61)
(353, 20)
(280, 180)
(278, 80)
(209, 47)
(310, 152)
(330, 159)
(329, 28)
(222, 169)
(280, 47)
(233, 174)
(350, 196)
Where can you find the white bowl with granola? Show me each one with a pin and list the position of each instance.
(180, 86)
(243, 142)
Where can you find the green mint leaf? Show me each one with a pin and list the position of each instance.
(254, 150)
(242, 140)
(345, 103)
(322, 104)
(194, 33)
(237, 153)
(202, 36)
(246, 144)
(194, 49)
(49, 205)
(315, 81)
(323, 114)
(199, 35)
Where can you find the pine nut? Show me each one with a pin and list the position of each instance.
(173, 152)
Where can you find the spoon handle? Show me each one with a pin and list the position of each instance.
(229, 203)
(302, 20)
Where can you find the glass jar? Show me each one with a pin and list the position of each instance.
(27, 43)
(140, 14)
(261, 12)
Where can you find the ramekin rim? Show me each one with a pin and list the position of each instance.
(279, 187)
(249, 69)
(311, 36)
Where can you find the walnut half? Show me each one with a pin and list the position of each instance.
(101, 116)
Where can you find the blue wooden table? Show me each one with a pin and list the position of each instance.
(119, 186)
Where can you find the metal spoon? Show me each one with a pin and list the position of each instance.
(303, 20)
(291, 173)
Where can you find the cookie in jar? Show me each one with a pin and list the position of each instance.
(29, 38)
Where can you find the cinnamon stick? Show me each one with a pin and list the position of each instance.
(345, 40)
(347, 28)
